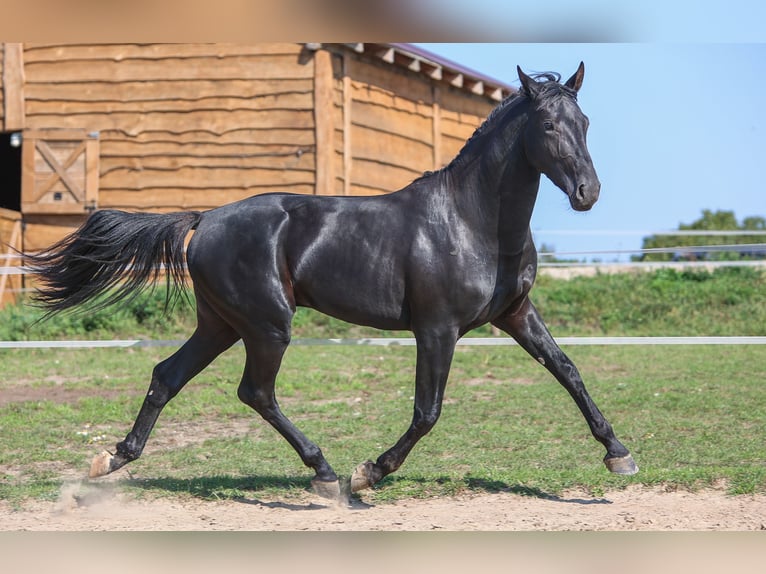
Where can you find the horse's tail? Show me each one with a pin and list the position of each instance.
(115, 254)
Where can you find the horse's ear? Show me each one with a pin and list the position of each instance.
(575, 82)
(529, 84)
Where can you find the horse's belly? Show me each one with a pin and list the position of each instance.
(361, 299)
(360, 311)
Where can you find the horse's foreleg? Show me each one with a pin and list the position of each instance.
(527, 327)
(434, 356)
(264, 357)
(168, 378)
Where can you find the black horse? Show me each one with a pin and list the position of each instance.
(446, 254)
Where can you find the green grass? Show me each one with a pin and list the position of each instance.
(729, 301)
(691, 416)
(144, 317)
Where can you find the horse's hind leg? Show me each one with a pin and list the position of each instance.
(210, 339)
(264, 357)
(527, 327)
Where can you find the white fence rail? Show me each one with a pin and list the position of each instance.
(398, 342)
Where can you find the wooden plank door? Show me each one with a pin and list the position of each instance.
(59, 171)
(10, 242)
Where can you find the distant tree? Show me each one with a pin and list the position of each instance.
(754, 223)
(710, 221)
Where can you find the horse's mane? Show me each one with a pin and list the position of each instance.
(486, 126)
(550, 88)
(488, 123)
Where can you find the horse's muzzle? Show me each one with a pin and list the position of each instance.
(585, 196)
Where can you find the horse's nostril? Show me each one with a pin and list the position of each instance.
(585, 195)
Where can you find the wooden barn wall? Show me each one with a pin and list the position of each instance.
(392, 125)
(195, 126)
(460, 116)
(180, 126)
(11, 86)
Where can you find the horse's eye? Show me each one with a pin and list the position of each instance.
(548, 125)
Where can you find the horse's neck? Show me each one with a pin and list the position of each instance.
(496, 193)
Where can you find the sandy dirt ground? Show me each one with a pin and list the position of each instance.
(634, 509)
(100, 506)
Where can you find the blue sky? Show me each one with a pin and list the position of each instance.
(676, 127)
(598, 20)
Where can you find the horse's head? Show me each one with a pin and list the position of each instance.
(554, 137)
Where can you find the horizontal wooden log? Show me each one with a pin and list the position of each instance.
(380, 177)
(474, 119)
(178, 122)
(457, 130)
(230, 68)
(460, 102)
(362, 92)
(282, 101)
(173, 90)
(391, 149)
(404, 84)
(170, 199)
(266, 135)
(130, 148)
(202, 178)
(165, 162)
(391, 120)
(35, 52)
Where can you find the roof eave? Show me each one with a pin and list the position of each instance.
(435, 67)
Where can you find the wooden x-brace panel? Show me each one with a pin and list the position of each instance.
(59, 171)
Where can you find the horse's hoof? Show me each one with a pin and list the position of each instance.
(101, 465)
(361, 478)
(621, 465)
(326, 489)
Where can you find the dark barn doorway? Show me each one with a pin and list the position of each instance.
(10, 170)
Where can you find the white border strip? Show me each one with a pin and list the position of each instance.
(395, 341)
